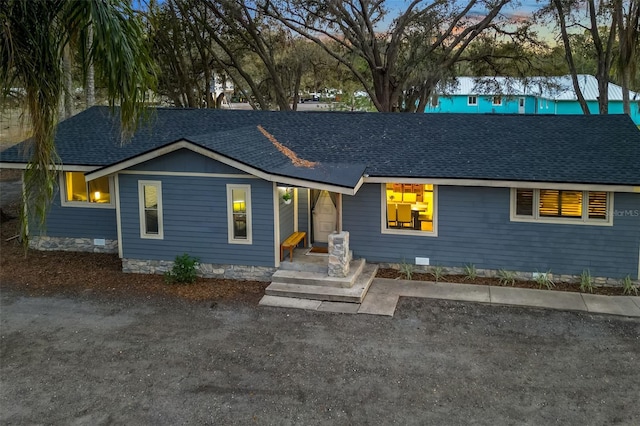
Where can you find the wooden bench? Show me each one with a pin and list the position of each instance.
(292, 242)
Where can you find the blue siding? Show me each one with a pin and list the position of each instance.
(303, 210)
(533, 105)
(184, 160)
(78, 222)
(459, 104)
(474, 227)
(286, 219)
(573, 107)
(195, 221)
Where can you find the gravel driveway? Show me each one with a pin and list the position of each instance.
(97, 361)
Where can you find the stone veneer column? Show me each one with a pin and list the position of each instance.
(339, 254)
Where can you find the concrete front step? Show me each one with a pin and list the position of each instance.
(307, 262)
(355, 294)
(320, 278)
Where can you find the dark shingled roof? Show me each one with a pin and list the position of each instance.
(597, 149)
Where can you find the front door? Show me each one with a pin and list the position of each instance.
(521, 106)
(324, 218)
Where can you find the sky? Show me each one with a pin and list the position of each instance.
(518, 10)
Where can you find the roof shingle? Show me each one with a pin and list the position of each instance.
(597, 149)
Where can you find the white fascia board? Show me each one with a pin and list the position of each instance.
(183, 144)
(60, 167)
(13, 165)
(506, 184)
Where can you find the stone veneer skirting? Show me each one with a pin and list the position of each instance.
(40, 242)
(493, 273)
(206, 270)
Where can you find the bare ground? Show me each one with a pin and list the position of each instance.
(100, 361)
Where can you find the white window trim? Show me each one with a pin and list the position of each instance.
(469, 103)
(493, 100)
(247, 189)
(413, 232)
(561, 220)
(84, 204)
(143, 231)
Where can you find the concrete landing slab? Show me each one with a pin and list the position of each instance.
(537, 298)
(339, 307)
(635, 299)
(385, 286)
(379, 304)
(618, 305)
(289, 302)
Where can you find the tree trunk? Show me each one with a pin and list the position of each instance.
(628, 35)
(68, 84)
(569, 56)
(219, 100)
(90, 84)
(296, 88)
(207, 88)
(604, 56)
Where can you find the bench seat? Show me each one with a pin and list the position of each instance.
(292, 242)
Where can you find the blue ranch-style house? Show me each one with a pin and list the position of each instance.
(523, 193)
(532, 95)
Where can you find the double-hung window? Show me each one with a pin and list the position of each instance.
(496, 100)
(472, 100)
(78, 192)
(239, 214)
(150, 207)
(562, 206)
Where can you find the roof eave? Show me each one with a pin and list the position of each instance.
(59, 167)
(184, 144)
(497, 183)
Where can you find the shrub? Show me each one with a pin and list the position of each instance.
(506, 277)
(470, 272)
(183, 271)
(543, 280)
(438, 272)
(628, 287)
(586, 282)
(406, 269)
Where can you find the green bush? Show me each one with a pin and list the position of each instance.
(543, 279)
(628, 287)
(470, 272)
(406, 269)
(438, 272)
(506, 277)
(586, 282)
(183, 271)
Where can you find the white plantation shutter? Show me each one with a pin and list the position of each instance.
(597, 205)
(524, 202)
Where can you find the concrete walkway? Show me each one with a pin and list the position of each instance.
(383, 295)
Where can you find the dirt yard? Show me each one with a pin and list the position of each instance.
(89, 359)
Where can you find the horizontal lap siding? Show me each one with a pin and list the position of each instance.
(303, 210)
(184, 160)
(286, 219)
(474, 227)
(195, 221)
(78, 222)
